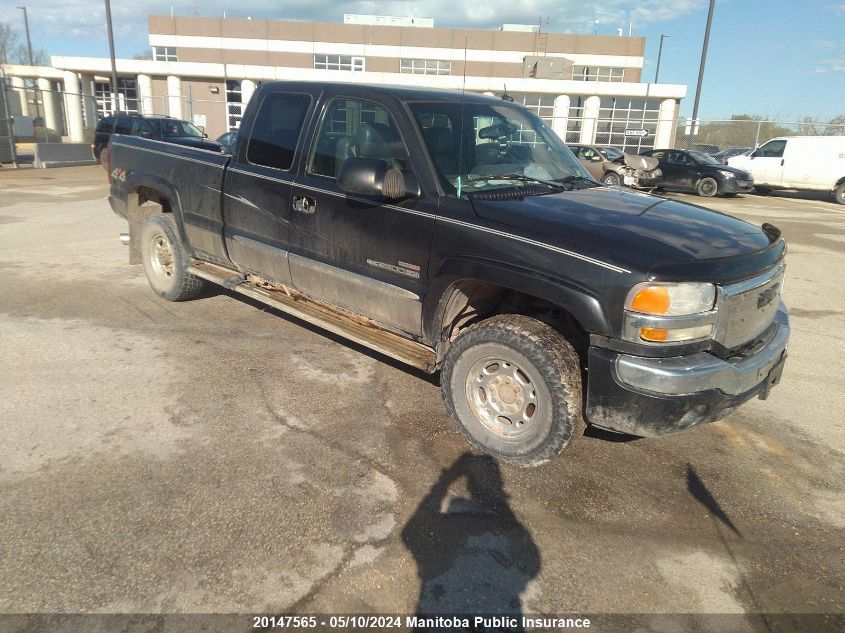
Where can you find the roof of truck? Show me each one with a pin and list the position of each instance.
(405, 93)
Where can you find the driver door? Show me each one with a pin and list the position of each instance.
(767, 163)
(367, 255)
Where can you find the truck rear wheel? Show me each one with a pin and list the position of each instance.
(166, 261)
(512, 386)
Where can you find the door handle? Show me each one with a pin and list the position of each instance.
(304, 204)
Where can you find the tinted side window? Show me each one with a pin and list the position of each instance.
(106, 126)
(123, 125)
(772, 149)
(356, 129)
(276, 130)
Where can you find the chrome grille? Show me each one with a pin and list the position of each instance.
(747, 308)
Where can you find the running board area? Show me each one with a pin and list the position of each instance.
(363, 333)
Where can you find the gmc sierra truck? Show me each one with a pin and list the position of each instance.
(457, 233)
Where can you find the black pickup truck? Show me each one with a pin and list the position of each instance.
(457, 233)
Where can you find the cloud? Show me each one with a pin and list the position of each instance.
(56, 20)
(830, 66)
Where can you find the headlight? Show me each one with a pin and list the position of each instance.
(726, 173)
(667, 299)
(664, 313)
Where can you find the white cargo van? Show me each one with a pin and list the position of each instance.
(798, 162)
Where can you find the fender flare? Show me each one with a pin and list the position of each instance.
(135, 179)
(583, 305)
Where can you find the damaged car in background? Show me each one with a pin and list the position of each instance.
(614, 167)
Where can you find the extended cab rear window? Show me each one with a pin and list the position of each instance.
(276, 129)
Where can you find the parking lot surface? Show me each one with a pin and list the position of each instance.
(217, 456)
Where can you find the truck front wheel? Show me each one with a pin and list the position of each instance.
(166, 261)
(512, 386)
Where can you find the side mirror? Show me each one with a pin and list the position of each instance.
(371, 177)
(596, 159)
(753, 155)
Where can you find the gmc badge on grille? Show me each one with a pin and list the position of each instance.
(765, 297)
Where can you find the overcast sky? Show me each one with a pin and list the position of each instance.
(782, 58)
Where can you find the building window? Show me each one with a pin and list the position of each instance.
(127, 97)
(598, 73)
(164, 53)
(234, 104)
(425, 66)
(338, 62)
(618, 114)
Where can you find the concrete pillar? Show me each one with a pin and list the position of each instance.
(174, 96)
(73, 107)
(145, 94)
(665, 124)
(48, 98)
(89, 101)
(590, 119)
(19, 87)
(560, 116)
(247, 88)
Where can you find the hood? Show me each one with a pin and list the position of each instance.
(643, 163)
(193, 141)
(627, 227)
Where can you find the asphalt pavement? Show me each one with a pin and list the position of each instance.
(218, 456)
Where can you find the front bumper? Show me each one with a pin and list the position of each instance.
(735, 185)
(655, 396)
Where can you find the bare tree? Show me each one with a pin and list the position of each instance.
(13, 49)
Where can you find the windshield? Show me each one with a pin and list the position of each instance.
(612, 153)
(502, 146)
(704, 159)
(173, 128)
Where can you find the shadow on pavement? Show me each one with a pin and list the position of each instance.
(473, 555)
(699, 490)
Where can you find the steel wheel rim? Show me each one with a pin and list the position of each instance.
(708, 187)
(502, 396)
(161, 256)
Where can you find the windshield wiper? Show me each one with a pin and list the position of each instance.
(571, 180)
(520, 177)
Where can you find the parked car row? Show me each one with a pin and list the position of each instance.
(804, 163)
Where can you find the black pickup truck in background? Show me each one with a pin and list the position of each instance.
(458, 234)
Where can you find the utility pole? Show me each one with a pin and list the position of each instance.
(111, 54)
(659, 55)
(701, 67)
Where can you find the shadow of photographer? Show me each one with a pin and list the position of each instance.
(473, 555)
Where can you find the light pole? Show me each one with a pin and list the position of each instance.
(26, 26)
(659, 55)
(701, 67)
(31, 63)
(111, 55)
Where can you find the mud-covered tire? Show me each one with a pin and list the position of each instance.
(166, 261)
(707, 187)
(548, 367)
(611, 179)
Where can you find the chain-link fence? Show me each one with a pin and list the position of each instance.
(29, 114)
(712, 136)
